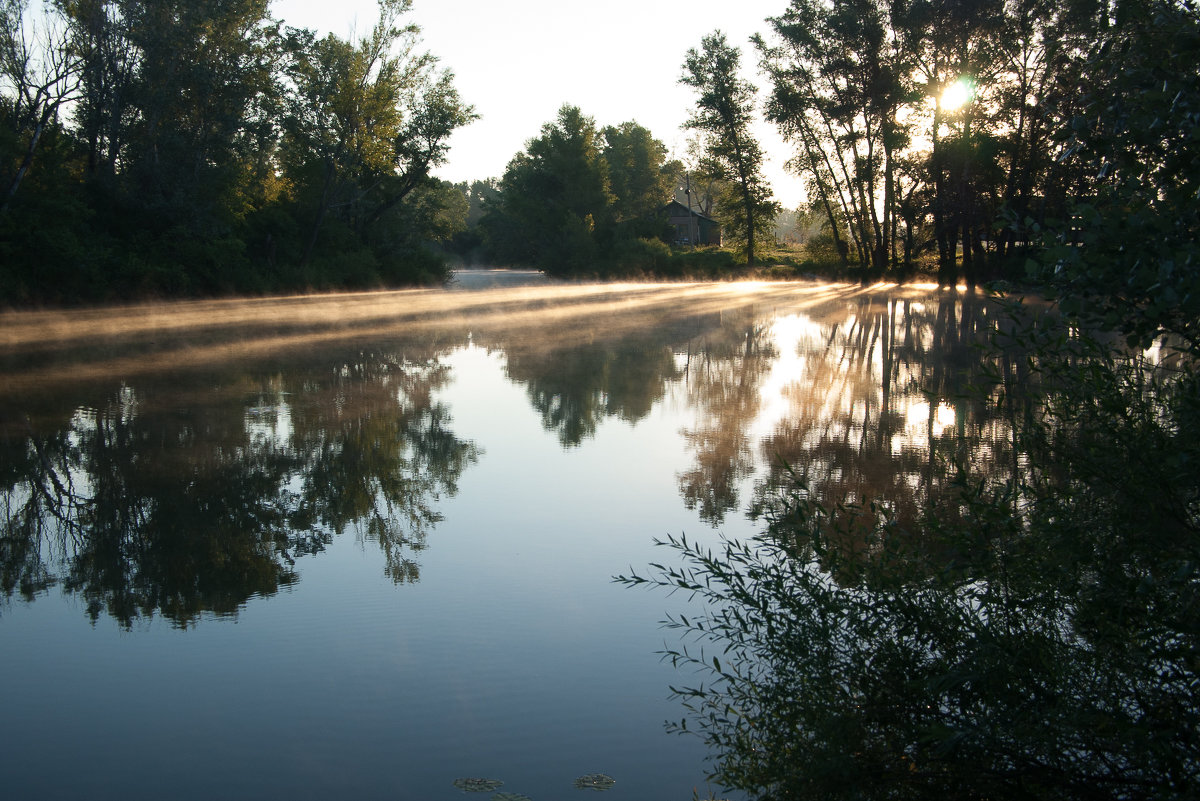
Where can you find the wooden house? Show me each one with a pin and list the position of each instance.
(692, 227)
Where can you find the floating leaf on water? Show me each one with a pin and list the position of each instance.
(477, 785)
(510, 797)
(595, 781)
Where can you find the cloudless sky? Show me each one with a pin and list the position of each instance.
(518, 61)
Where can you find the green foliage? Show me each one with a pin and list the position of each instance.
(1129, 259)
(857, 89)
(209, 150)
(579, 199)
(1033, 635)
(49, 220)
(841, 112)
(639, 257)
(704, 263)
(724, 110)
(555, 198)
(640, 178)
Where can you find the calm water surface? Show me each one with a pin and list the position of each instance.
(360, 546)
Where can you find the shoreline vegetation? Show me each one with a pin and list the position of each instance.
(1034, 636)
(161, 150)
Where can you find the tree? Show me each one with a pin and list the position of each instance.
(207, 149)
(185, 117)
(1128, 259)
(956, 42)
(640, 178)
(581, 198)
(724, 109)
(368, 121)
(839, 81)
(1042, 64)
(700, 184)
(555, 204)
(101, 35)
(1031, 634)
(42, 73)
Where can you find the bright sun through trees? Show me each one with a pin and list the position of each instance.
(958, 94)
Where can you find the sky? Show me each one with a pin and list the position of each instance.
(518, 61)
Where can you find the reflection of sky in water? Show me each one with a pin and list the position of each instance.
(848, 390)
(511, 654)
(790, 333)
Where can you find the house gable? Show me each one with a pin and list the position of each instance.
(691, 227)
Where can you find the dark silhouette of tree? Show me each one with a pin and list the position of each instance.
(201, 148)
(838, 82)
(724, 110)
(555, 202)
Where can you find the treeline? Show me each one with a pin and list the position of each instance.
(161, 147)
(165, 147)
(582, 199)
(938, 129)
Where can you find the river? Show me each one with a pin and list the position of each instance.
(362, 545)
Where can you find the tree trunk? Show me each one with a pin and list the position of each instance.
(26, 161)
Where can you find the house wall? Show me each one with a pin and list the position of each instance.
(704, 230)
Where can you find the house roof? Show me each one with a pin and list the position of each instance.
(677, 209)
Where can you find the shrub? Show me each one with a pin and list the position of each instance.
(1030, 637)
(638, 257)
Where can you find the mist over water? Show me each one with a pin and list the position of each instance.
(361, 545)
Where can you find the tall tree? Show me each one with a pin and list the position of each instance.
(641, 179)
(838, 82)
(42, 74)
(368, 121)
(1128, 259)
(956, 42)
(725, 109)
(176, 84)
(111, 61)
(206, 147)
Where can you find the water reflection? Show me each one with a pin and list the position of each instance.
(179, 460)
(575, 389)
(194, 492)
(725, 371)
(888, 400)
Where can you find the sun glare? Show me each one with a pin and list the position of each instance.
(958, 94)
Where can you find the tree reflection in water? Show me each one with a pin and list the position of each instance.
(195, 481)
(191, 497)
(889, 402)
(575, 389)
(725, 371)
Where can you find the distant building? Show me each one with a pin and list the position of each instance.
(692, 227)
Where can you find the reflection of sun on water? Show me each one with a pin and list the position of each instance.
(786, 333)
(917, 420)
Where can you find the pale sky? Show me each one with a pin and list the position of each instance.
(518, 61)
